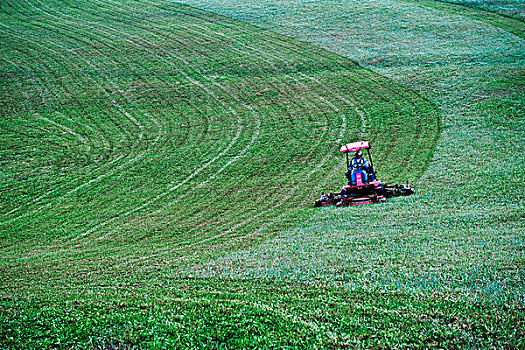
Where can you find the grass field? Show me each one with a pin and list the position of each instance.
(159, 163)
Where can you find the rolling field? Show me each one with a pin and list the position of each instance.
(159, 163)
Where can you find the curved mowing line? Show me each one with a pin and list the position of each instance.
(267, 54)
(119, 107)
(363, 87)
(244, 222)
(296, 187)
(283, 59)
(32, 111)
(168, 53)
(360, 113)
(373, 79)
(201, 185)
(395, 102)
(246, 50)
(105, 92)
(100, 176)
(255, 136)
(313, 79)
(158, 137)
(66, 129)
(59, 125)
(171, 189)
(196, 172)
(318, 166)
(115, 103)
(325, 159)
(141, 126)
(312, 171)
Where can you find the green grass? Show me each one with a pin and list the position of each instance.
(219, 314)
(159, 164)
(513, 8)
(507, 15)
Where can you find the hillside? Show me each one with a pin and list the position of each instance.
(159, 163)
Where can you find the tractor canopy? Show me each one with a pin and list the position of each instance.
(355, 146)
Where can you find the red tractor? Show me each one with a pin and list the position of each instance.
(363, 186)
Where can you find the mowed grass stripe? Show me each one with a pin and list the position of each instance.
(405, 102)
(55, 99)
(209, 242)
(237, 225)
(36, 167)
